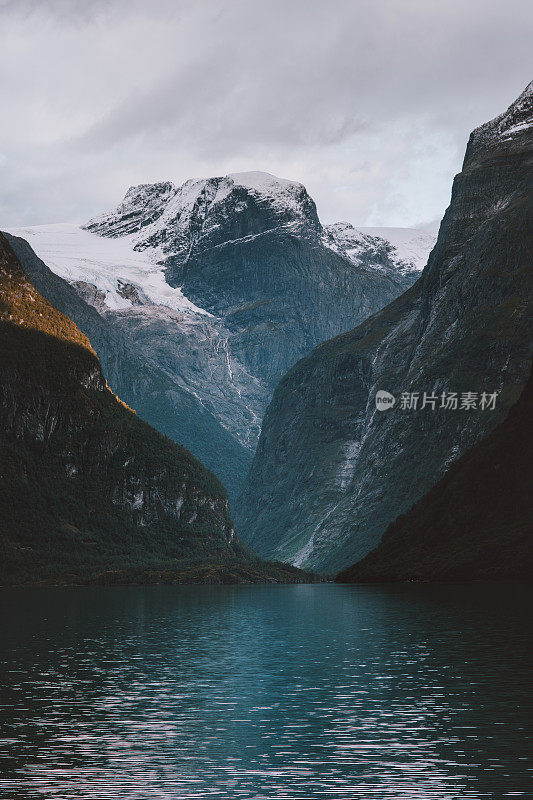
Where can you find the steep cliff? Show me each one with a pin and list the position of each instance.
(215, 288)
(476, 522)
(86, 486)
(331, 471)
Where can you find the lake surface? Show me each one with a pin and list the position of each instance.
(407, 692)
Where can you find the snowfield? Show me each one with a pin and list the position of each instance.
(411, 244)
(409, 248)
(109, 264)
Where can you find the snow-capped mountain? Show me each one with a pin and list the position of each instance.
(220, 286)
(176, 218)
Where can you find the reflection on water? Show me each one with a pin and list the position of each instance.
(389, 693)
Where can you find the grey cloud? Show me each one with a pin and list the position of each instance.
(367, 103)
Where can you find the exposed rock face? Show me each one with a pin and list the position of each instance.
(331, 472)
(217, 287)
(84, 483)
(476, 523)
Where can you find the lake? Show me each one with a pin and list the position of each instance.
(411, 692)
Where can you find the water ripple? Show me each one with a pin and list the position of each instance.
(405, 693)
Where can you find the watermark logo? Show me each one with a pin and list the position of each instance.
(384, 400)
(450, 401)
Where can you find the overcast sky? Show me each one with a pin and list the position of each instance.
(369, 103)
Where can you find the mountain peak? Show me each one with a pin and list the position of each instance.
(206, 212)
(146, 191)
(267, 184)
(141, 205)
(512, 122)
(330, 471)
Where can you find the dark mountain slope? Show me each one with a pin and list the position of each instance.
(476, 522)
(85, 486)
(331, 472)
(145, 384)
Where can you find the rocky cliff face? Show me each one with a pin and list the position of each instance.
(214, 290)
(475, 524)
(331, 471)
(85, 485)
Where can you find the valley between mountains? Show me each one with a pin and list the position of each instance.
(246, 341)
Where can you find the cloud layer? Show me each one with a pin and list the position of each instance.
(368, 103)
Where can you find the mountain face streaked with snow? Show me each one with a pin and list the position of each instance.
(406, 248)
(215, 289)
(331, 472)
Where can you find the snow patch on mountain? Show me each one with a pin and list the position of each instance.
(407, 248)
(265, 282)
(108, 264)
(282, 192)
(517, 119)
(411, 244)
